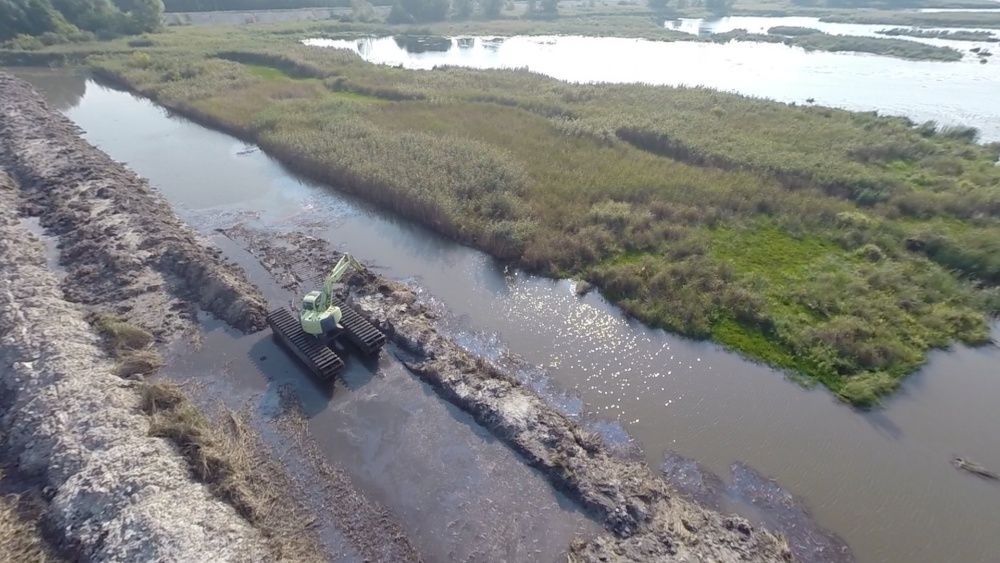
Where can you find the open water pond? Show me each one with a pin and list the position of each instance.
(952, 93)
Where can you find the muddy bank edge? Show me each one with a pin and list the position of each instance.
(114, 492)
(125, 249)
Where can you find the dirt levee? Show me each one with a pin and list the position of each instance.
(117, 494)
(122, 245)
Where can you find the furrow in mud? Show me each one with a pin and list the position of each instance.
(114, 493)
(124, 249)
(645, 519)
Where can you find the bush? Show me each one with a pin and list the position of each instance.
(867, 390)
(25, 43)
(140, 60)
(960, 132)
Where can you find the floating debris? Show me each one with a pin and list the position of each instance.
(974, 468)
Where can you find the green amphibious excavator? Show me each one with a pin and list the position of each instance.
(321, 322)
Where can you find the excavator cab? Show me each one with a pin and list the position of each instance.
(309, 301)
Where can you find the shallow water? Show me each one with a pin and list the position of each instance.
(880, 480)
(760, 24)
(953, 93)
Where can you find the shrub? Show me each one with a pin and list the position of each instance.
(866, 390)
(960, 132)
(25, 43)
(140, 60)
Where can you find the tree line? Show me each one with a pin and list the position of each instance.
(424, 11)
(215, 5)
(33, 22)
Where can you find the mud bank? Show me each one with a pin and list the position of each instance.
(114, 493)
(124, 249)
(645, 518)
(779, 509)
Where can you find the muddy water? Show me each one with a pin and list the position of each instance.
(953, 93)
(881, 480)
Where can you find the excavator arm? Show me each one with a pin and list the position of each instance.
(345, 263)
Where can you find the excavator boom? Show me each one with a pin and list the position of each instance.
(336, 274)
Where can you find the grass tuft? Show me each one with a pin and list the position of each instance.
(138, 362)
(20, 538)
(228, 457)
(129, 344)
(120, 335)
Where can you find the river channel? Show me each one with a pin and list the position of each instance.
(882, 480)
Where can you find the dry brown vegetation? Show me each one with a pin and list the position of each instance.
(129, 344)
(21, 537)
(226, 455)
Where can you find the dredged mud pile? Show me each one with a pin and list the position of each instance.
(781, 510)
(124, 249)
(114, 493)
(645, 518)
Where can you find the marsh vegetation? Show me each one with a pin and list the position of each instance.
(842, 246)
(953, 35)
(815, 40)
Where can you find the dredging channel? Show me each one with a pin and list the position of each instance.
(881, 480)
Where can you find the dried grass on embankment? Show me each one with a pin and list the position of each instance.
(20, 536)
(223, 452)
(227, 455)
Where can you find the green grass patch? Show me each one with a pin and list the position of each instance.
(769, 251)
(266, 72)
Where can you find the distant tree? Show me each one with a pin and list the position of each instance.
(56, 21)
(92, 15)
(461, 9)
(490, 8)
(28, 17)
(719, 7)
(362, 11)
(418, 11)
(658, 6)
(550, 7)
(141, 15)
